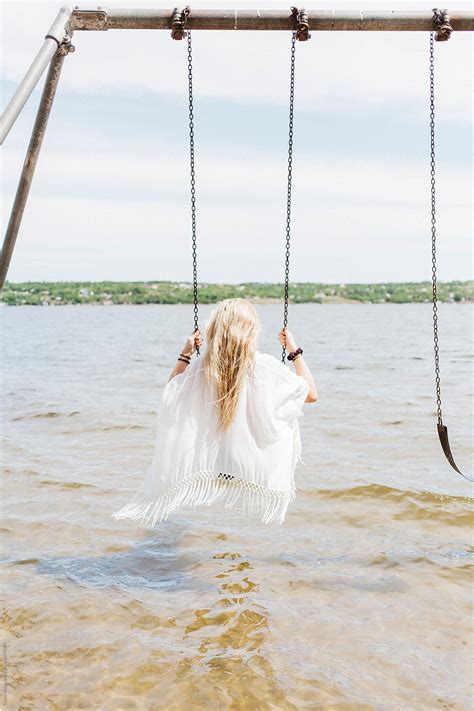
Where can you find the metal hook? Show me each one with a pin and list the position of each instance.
(442, 25)
(178, 23)
(301, 24)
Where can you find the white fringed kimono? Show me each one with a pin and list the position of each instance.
(249, 468)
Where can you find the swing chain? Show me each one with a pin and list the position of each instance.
(433, 232)
(442, 429)
(193, 178)
(301, 33)
(290, 175)
(442, 23)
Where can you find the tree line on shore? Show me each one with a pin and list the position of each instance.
(168, 292)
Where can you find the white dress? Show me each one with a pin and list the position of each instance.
(249, 468)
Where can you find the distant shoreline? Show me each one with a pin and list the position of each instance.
(107, 293)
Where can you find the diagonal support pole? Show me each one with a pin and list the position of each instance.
(31, 159)
(55, 35)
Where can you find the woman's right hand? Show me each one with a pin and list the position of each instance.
(287, 340)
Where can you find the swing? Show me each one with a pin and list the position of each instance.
(300, 32)
(443, 33)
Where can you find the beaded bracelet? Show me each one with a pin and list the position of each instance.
(295, 354)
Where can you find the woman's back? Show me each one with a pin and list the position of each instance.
(248, 467)
(227, 428)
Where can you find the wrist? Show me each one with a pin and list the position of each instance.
(184, 358)
(296, 353)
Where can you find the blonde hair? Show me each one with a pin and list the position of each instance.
(231, 335)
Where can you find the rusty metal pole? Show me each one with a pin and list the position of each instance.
(31, 159)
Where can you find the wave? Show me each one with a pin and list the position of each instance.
(67, 484)
(122, 427)
(453, 510)
(109, 428)
(390, 492)
(50, 413)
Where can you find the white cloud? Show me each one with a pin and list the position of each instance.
(95, 171)
(353, 220)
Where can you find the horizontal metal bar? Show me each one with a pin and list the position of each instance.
(104, 18)
(53, 38)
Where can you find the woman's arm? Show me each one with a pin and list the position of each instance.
(301, 368)
(192, 342)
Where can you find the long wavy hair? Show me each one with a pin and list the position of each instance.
(231, 335)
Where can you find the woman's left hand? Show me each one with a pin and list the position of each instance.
(192, 342)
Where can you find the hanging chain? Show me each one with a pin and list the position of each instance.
(193, 182)
(443, 32)
(290, 175)
(301, 33)
(433, 231)
(178, 32)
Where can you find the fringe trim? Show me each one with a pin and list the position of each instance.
(204, 488)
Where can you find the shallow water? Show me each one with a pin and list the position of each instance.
(361, 600)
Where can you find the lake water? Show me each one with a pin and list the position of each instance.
(361, 600)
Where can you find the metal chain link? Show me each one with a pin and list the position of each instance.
(290, 175)
(433, 231)
(193, 182)
(443, 33)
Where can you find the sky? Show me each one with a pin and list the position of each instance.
(110, 197)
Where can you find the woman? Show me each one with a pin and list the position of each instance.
(227, 428)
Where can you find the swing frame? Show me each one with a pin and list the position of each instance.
(58, 44)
